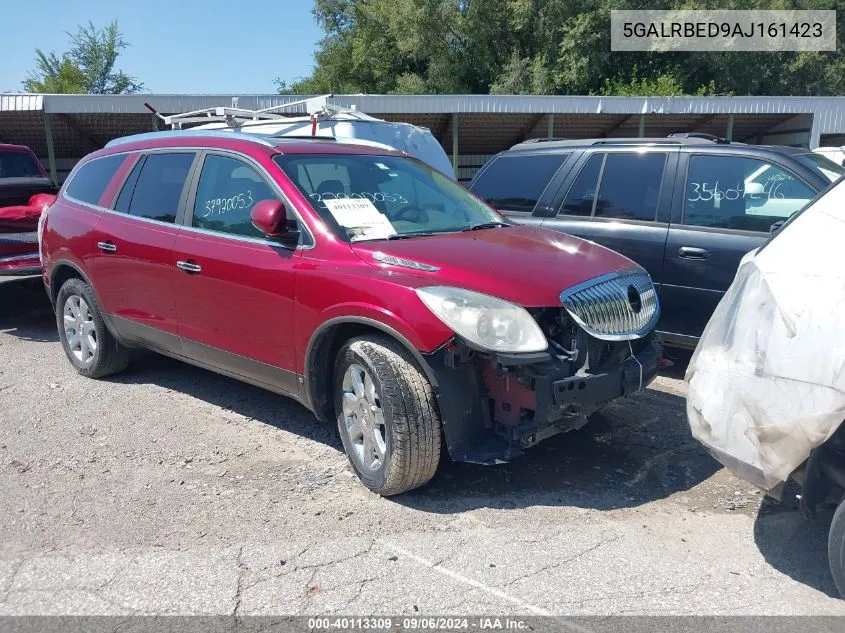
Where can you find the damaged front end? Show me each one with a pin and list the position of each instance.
(494, 405)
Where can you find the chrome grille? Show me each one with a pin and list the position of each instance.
(615, 307)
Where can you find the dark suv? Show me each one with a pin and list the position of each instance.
(686, 207)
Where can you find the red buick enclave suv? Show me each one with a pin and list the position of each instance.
(360, 282)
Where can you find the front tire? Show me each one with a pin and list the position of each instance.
(836, 548)
(386, 415)
(89, 345)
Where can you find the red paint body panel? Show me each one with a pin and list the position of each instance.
(137, 281)
(242, 301)
(29, 264)
(263, 302)
(522, 264)
(332, 282)
(68, 235)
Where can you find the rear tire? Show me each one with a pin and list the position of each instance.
(89, 345)
(386, 415)
(836, 548)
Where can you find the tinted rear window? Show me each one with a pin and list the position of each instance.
(159, 186)
(515, 183)
(89, 183)
(18, 165)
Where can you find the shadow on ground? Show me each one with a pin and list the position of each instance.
(227, 393)
(636, 450)
(25, 310)
(794, 545)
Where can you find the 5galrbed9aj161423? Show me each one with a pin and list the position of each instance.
(361, 282)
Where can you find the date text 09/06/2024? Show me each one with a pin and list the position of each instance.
(417, 623)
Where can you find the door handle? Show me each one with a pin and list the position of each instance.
(189, 267)
(106, 247)
(691, 252)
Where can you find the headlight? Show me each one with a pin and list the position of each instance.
(485, 321)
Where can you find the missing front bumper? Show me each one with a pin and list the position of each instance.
(492, 408)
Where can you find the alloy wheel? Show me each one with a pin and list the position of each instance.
(363, 418)
(80, 332)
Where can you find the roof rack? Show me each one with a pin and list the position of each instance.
(677, 138)
(636, 141)
(702, 135)
(545, 139)
(235, 117)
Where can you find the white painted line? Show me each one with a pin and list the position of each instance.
(466, 580)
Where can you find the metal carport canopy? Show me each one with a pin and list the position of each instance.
(486, 123)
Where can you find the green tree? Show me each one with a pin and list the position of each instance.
(87, 68)
(541, 47)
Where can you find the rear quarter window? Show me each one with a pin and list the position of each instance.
(92, 178)
(515, 183)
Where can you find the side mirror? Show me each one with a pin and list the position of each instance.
(774, 228)
(269, 217)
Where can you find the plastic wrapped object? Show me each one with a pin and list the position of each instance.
(767, 380)
(23, 218)
(42, 200)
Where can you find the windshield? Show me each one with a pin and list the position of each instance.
(384, 197)
(822, 165)
(18, 165)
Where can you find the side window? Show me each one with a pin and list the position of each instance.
(734, 192)
(515, 183)
(159, 186)
(630, 186)
(125, 196)
(582, 193)
(89, 183)
(228, 189)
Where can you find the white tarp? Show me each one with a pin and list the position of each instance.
(767, 381)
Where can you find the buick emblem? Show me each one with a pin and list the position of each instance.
(634, 300)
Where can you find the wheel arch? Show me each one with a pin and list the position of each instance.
(61, 271)
(322, 350)
(824, 473)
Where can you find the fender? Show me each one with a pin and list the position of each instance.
(386, 322)
(53, 291)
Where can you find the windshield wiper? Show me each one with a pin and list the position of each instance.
(486, 225)
(402, 236)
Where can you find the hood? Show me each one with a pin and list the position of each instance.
(522, 264)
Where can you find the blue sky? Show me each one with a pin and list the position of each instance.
(177, 46)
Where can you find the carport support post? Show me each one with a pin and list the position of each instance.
(641, 131)
(551, 129)
(730, 132)
(51, 152)
(455, 144)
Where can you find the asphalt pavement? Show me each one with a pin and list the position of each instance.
(169, 489)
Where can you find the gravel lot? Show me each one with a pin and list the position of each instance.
(172, 490)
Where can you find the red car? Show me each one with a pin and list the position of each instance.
(362, 283)
(25, 190)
